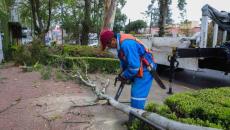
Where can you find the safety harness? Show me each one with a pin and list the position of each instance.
(121, 55)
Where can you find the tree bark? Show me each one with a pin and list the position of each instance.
(86, 23)
(109, 13)
(163, 6)
(33, 8)
(38, 22)
(49, 16)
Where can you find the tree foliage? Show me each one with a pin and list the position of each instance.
(160, 13)
(41, 15)
(77, 18)
(120, 18)
(86, 22)
(135, 26)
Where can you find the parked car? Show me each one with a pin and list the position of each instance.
(93, 40)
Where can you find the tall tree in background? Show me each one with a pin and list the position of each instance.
(97, 13)
(78, 18)
(120, 18)
(86, 23)
(110, 7)
(135, 26)
(71, 18)
(163, 13)
(163, 8)
(153, 13)
(41, 24)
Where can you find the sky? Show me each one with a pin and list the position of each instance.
(134, 8)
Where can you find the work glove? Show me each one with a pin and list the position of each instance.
(123, 79)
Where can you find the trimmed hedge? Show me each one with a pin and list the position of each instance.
(108, 65)
(208, 105)
(80, 51)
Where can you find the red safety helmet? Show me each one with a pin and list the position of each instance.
(106, 36)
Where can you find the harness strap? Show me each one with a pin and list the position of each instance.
(124, 37)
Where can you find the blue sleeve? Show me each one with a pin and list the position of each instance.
(122, 65)
(131, 52)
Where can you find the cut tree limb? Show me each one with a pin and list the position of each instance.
(161, 121)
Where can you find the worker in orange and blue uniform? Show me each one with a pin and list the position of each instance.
(131, 52)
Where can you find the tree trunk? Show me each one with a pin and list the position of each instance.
(86, 24)
(77, 34)
(34, 18)
(39, 29)
(49, 16)
(163, 7)
(109, 14)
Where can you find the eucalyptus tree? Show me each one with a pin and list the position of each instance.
(110, 7)
(160, 13)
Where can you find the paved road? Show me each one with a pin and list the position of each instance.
(199, 79)
(184, 81)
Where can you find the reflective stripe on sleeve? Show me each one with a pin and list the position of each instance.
(134, 69)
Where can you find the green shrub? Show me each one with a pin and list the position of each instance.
(60, 76)
(38, 52)
(30, 54)
(37, 66)
(137, 124)
(46, 72)
(108, 65)
(207, 107)
(80, 51)
(212, 106)
(21, 55)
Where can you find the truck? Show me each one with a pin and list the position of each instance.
(185, 53)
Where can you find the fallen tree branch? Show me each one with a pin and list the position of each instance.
(78, 75)
(164, 122)
(161, 121)
(103, 90)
